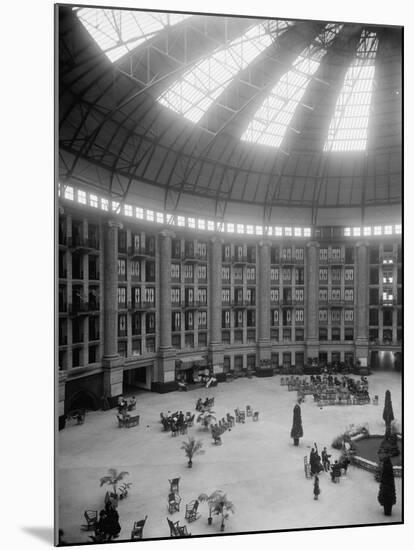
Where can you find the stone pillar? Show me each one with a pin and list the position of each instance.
(166, 354)
(216, 350)
(263, 320)
(361, 333)
(312, 299)
(112, 362)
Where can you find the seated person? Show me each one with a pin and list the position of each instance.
(132, 403)
(181, 384)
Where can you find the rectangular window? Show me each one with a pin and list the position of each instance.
(336, 275)
(336, 294)
(136, 324)
(323, 254)
(121, 296)
(176, 321)
(336, 316)
(150, 344)
(274, 295)
(299, 294)
(122, 325)
(299, 253)
(286, 274)
(336, 254)
(299, 334)
(188, 273)
(287, 334)
(175, 272)
(349, 333)
(349, 316)
(336, 333)
(323, 315)
(274, 275)
(323, 294)
(136, 347)
(373, 296)
(349, 274)
(349, 295)
(323, 334)
(349, 255)
(225, 273)
(274, 317)
(323, 274)
(238, 274)
(202, 272)
(299, 316)
(150, 323)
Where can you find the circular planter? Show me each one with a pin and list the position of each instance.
(366, 459)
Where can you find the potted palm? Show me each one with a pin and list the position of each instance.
(113, 478)
(192, 448)
(219, 505)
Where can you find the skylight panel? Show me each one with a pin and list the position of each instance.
(269, 125)
(119, 31)
(348, 130)
(193, 94)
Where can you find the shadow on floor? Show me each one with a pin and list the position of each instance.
(44, 534)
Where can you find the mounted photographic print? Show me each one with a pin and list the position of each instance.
(229, 275)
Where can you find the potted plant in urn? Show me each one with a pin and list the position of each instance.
(113, 478)
(192, 448)
(297, 430)
(218, 504)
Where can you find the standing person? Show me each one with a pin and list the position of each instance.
(316, 489)
(325, 460)
(112, 526)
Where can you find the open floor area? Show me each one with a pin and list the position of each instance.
(257, 465)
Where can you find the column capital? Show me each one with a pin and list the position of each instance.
(314, 244)
(265, 242)
(167, 233)
(215, 239)
(115, 223)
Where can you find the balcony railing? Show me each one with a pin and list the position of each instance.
(388, 258)
(140, 252)
(237, 259)
(336, 302)
(388, 302)
(83, 243)
(141, 305)
(336, 261)
(79, 308)
(193, 257)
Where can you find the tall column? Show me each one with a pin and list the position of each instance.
(312, 299)
(361, 333)
(166, 354)
(216, 350)
(264, 347)
(112, 362)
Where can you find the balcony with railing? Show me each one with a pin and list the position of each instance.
(137, 252)
(79, 308)
(388, 302)
(83, 244)
(388, 258)
(192, 257)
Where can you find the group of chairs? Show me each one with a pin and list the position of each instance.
(229, 421)
(177, 424)
(91, 517)
(174, 502)
(77, 415)
(127, 421)
(207, 404)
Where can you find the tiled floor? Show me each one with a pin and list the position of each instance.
(257, 465)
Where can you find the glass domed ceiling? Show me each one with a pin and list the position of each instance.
(208, 112)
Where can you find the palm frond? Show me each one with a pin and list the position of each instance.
(121, 476)
(106, 479)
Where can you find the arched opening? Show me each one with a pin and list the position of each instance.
(83, 400)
